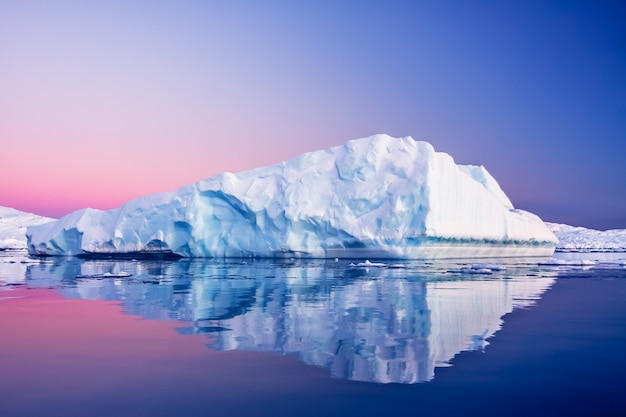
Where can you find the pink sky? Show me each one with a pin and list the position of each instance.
(101, 102)
(93, 359)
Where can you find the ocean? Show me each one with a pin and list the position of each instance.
(313, 337)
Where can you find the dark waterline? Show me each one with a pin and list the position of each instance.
(64, 356)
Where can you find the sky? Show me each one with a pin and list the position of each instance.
(105, 101)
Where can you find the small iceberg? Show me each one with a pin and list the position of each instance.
(493, 267)
(368, 264)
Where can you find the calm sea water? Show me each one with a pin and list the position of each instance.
(314, 338)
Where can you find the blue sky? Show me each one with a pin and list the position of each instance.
(104, 101)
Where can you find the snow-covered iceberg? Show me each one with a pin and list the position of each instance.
(13, 225)
(581, 239)
(377, 197)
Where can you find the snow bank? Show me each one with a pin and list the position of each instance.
(581, 239)
(377, 197)
(13, 225)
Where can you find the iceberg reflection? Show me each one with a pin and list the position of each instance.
(377, 324)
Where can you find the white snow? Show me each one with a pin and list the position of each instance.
(377, 197)
(575, 239)
(13, 225)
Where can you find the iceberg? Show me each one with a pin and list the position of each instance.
(13, 224)
(373, 198)
(581, 239)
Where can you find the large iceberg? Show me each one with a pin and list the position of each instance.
(377, 197)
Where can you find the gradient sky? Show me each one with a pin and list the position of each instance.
(104, 101)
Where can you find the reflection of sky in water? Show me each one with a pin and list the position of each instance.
(374, 324)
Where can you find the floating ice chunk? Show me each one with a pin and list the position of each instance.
(20, 259)
(563, 262)
(483, 268)
(493, 267)
(106, 275)
(29, 261)
(367, 264)
(476, 271)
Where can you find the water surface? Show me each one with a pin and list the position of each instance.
(310, 338)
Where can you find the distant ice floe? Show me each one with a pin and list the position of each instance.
(581, 239)
(484, 268)
(563, 262)
(564, 265)
(585, 260)
(106, 275)
(13, 224)
(493, 267)
(368, 264)
(20, 259)
(15, 263)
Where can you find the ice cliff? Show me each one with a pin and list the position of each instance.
(377, 197)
